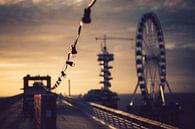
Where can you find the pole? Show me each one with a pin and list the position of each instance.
(69, 87)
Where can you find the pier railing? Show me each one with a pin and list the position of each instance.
(117, 118)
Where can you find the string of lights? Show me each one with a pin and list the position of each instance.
(85, 20)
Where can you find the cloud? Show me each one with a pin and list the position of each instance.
(152, 5)
(10, 65)
(35, 37)
(46, 3)
(11, 2)
(178, 26)
(172, 3)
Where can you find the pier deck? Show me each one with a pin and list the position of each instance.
(67, 118)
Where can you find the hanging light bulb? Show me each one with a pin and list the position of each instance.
(86, 16)
(55, 85)
(57, 82)
(70, 63)
(59, 79)
(63, 74)
(73, 51)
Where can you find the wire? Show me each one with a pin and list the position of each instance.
(85, 20)
(91, 3)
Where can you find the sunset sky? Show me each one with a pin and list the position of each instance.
(35, 37)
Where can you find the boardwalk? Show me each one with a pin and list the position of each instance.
(67, 118)
(13, 118)
(70, 118)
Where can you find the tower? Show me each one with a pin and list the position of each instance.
(104, 58)
(104, 96)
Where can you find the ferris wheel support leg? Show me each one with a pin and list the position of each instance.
(169, 87)
(162, 95)
(131, 102)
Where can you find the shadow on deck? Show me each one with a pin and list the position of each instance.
(12, 117)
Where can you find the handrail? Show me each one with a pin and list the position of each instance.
(132, 116)
(117, 118)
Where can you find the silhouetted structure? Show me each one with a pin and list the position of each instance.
(34, 85)
(45, 111)
(150, 55)
(104, 96)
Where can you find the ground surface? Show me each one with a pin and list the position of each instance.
(12, 117)
(70, 118)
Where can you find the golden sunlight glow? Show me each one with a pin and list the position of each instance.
(37, 42)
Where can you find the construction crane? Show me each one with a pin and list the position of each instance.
(105, 38)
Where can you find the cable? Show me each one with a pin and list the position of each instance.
(84, 20)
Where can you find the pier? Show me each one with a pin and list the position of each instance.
(74, 113)
(67, 117)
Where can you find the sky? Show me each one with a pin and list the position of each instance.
(35, 37)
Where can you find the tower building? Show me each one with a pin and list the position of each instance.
(104, 58)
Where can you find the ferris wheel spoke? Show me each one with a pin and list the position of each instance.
(146, 73)
(145, 41)
(148, 49)
(150, 80)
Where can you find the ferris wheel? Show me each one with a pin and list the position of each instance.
(150, 56)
